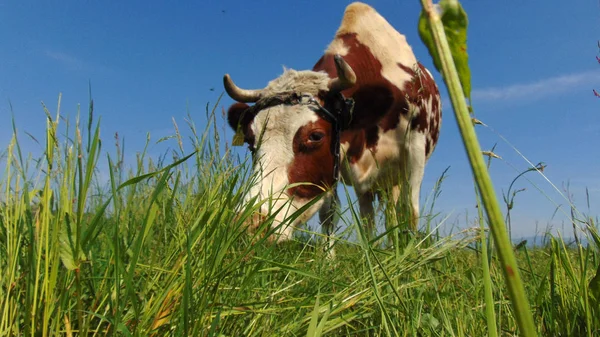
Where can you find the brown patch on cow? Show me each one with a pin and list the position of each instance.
(313, 161)
(358, 141)
(372, 136)
(356, 144)
(373, 94)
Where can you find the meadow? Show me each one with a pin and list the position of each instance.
(92, 246)
(160, 250)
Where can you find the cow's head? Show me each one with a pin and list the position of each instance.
(290, 142)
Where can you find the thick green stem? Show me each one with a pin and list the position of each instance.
(490, 313)
(482, 178)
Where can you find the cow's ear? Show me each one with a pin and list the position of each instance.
(236, 116)
(239, 118)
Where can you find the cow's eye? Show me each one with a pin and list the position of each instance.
(316, 136)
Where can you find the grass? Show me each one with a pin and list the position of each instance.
(160, 250)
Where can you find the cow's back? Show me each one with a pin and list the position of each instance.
(394, 93)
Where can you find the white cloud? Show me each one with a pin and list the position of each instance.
(539, 89)
(72, 62)
(68, 60)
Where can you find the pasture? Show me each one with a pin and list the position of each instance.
(93, 243)
(159, 251)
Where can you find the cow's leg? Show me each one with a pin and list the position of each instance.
(407, 192)
(391, 219)
(416, 170)
(284, 233)
(365, 204)
(329, 218)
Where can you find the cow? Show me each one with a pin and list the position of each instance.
(390, 119)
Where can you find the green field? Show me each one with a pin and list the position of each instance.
(160, 250)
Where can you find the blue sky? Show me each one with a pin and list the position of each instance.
(533, 70)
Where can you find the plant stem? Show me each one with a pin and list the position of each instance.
(490, 313)
(482, 179)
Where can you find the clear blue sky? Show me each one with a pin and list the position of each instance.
(533, 70)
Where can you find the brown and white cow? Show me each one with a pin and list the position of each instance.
(393, 131)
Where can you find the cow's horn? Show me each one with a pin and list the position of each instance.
(239, 94)
(346, 76)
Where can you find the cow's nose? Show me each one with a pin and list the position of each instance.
(252, 222)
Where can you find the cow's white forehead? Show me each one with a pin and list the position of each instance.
(305, 81)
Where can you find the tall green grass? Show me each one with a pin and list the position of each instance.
(160, 249)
